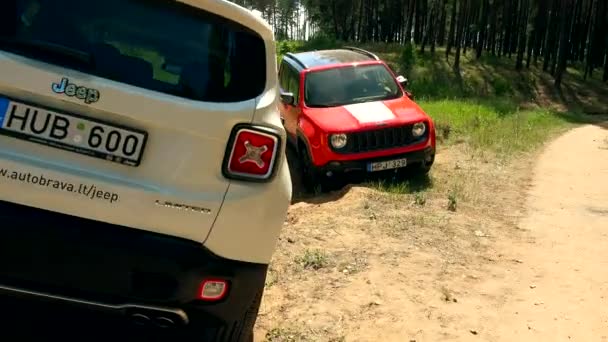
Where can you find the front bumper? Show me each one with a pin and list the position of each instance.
(70, 262)
(426, 155)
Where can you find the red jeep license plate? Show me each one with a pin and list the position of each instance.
(387, 165)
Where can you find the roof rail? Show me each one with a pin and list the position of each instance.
(365, 52)
(295, 59)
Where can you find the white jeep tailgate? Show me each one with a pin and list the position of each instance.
(178, 187)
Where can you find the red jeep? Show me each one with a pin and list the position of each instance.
(344, 110)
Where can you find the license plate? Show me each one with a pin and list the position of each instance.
(71, 132)
(387, 165)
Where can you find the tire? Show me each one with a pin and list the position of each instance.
(312, 179)
(417, 170)
(420, 169)
(239, 331)
(246, 333)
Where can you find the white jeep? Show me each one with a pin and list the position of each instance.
(142, 169)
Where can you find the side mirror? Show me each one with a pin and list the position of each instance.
(288, 99)
(403, 81)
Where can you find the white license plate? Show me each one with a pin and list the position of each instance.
(387, 165)
(71, 132)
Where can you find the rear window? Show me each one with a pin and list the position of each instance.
(160, 45)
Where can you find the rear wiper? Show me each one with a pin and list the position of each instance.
(43, 46)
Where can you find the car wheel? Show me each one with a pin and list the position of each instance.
(249, 320)
(420, 169)
(312, 179)
(413, 171)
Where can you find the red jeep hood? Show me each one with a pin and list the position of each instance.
(361, 115)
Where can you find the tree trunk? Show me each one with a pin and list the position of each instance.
(493, 20)
(550, 40)
(605, 78)
(523, 34)
(433, 25)
(575, 31)
(410, 21)
(428, 31)
(530, 49)
(586, 33)
(507, 29)
(540, 28)
(376, 21)
(360, 21)
(459, 33)
(465, 27)
(451, 34)
(590, 45)
(418, 21)
(442, 24)
(515, 27)
(482, 27)
(563, 42)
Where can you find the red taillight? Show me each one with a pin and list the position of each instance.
(213, 290)
(252, 154)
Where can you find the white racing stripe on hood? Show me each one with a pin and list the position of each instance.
(370, 112)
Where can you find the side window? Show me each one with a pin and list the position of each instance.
(294, 84)
(284, 77)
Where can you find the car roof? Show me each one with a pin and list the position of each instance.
(319, 58)
(236, 13)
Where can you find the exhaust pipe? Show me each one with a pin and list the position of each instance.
(164, 322)
(158, 318)
(140, 319)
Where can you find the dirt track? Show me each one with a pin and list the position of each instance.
(515, 263)
(560, 292)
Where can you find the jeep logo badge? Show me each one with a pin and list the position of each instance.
(88, 95)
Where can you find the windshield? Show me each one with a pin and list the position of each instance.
(348, 85)
(160, 45)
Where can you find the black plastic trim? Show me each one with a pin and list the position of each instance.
(350, 149)
(80, 264)
(413, 157)
(363, 52)
(295, 59)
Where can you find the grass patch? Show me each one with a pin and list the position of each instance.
(285, 335)
(497, 126)
(420, 199)
(452, 201)
(313, 259)
(398, 188)
(272, 278)
(401, 187)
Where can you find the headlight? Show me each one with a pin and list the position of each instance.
(418, 129)
(338, 140)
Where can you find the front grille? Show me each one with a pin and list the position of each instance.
(381, 139)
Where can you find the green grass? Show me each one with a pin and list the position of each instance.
(289, 334)
(313, 259)
(496, 126)
(417, 185)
